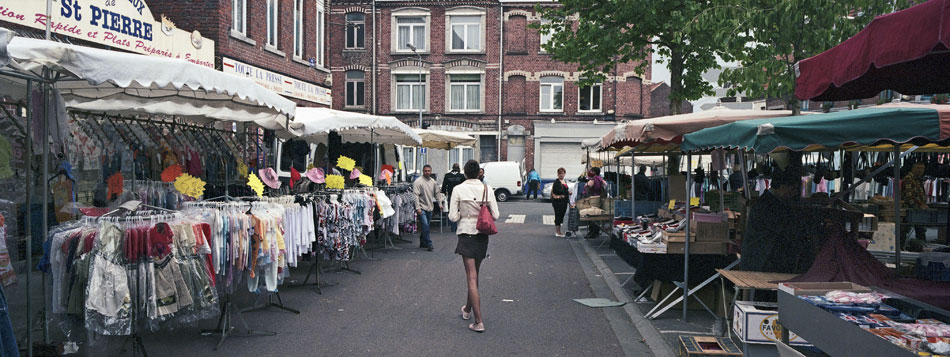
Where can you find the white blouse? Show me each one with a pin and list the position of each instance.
(466, 203)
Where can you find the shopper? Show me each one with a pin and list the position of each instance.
(642, 191)
(913, 197)
(425, 189)
(481, 175)
(596, 187)
(464, 207)
(452, 179)
(735, 179)
(534, 184)
(560, 195)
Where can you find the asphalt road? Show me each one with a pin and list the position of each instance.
(407, 303)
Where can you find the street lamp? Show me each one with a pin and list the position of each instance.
(418, 151)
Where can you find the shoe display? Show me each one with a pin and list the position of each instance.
(466, 315)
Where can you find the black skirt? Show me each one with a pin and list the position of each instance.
(472, 246)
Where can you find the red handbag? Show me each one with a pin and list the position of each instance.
(486, 223)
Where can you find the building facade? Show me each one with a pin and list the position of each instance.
(476, 67)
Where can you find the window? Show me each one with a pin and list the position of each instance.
(552, 94)
(272, 22)
(238, 16)
(409, 159)
(411, 30)
(465, 92)
(590, 98)
(545, 34)
(355, 85)
(410, 92)
(321, 30)
(466, 33)
(355, 30)
(461, 155)
(298, 28)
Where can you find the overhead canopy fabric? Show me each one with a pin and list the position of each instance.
(124, 83)
(898, 123)
(906, 51)
(314, 124)
(445, 140)
(665, 133)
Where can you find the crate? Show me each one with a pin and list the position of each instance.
(622, 208)
(933, 266)
(926, 216)
(708, 346)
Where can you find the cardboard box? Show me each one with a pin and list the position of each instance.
(756, 322)
(821, 288)
(708, 346)
(664, 213)
(696, 247)
(711, 232)
(652, 248)
(678, 236)
(883, 239)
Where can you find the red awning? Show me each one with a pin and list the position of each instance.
(905, 51)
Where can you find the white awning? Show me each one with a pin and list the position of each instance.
(314, 124)
(123, 83)
(445, 140)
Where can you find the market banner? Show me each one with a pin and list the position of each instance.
(123, 24)
(276, 82)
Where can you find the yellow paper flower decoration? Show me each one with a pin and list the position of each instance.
(242, 169)
(345, 163)
(335, 181)
(190, 186)
(366, 180)
(255, 184)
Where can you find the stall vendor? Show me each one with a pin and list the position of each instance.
(777, 238)
(913, 197)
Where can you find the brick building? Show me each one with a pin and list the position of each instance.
(482, 71)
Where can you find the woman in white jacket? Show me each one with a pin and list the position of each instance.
(464, 207)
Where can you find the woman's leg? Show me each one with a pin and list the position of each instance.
(471, 273)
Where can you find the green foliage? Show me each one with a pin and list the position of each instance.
(769, 36)
(596, 35)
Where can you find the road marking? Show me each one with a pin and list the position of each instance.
(547, 219)
(515, 218)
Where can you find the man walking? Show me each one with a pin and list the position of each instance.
(534, 184)
(452, 179)
(425, 189)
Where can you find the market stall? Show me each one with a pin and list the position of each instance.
(445, 140)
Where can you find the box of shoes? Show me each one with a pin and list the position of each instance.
(697, 247)
(651, 248)
(678, 236)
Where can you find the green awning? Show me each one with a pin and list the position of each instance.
(899, 123)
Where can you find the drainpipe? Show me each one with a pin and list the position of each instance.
(375, 108)
(501, 72)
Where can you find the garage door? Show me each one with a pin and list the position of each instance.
(566, 155)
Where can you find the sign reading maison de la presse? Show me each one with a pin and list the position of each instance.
(123, 24)
(276, 82)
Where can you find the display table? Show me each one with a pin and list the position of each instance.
(668, 267)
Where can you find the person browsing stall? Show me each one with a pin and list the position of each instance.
(534, 184)
(560, 196)
(595, 187)
(426, 189)
(464, 208)
(776, 238)
(913, 197)
(452, 179)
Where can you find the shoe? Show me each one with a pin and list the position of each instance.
(559, 235)
(429, 248)
(466, 315)
(477, 327)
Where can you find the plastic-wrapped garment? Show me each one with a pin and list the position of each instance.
(108, 299)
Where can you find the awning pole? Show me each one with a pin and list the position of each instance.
(29, 216)
(897, 208)
(689, 194)
(633, 186)
(746, 189)
(47, 93)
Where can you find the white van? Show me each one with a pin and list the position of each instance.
(505, 177)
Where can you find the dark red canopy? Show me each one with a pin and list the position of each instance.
(905, 51)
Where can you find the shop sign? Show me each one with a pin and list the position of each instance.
(276, 82)
(123, 24)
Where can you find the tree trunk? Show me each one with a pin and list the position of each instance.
(676, 79)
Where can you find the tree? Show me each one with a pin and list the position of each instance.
(597, 35)
(769, 36)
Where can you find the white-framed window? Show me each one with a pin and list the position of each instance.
(321, 31)
(355, 88)
(298, 28)
(355, 30)
(272, 29)
(465, 92)
(545, 34)
(410, 92)
(409, 159)
(552, 94)
(466, 32)
(590, 98)
(460, 155)
(239, 16)
(410, 26)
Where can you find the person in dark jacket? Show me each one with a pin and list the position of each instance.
(452, 179)
(560, 195)
(777, 234)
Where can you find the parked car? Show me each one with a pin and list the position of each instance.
(546, 191)
(505, 177)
